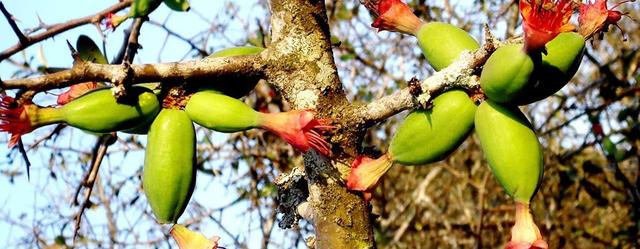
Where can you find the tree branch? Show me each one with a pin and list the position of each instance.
(12, 23)
(199, 70)
(62, 27)
(460, 73)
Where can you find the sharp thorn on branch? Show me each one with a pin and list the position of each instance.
(12, 22)
(74, 54)
(25, 158)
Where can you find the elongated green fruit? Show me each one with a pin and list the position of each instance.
(221, 113)
(140, 8)
(169, 174)
(559, 65)
(427, 136)
(511, 148)
(234, 86)
(506, 73)
(442, 43)
(178, 5)
(98, 111)
(89, 51)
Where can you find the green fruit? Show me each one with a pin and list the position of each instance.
(506, 73)
(234, 86)
(511, 148)
(141, 8)
(89, 51)
(99, 112)
(221, 113)
(427, 136)
(564, 54)
(178, 5)
(442, 43)
(169, 173)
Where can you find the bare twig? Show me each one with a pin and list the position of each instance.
(62, 27)
(56, 130)
(626, 93)
(111, 220)
(132, 43)
(182, 38)
(23, 39)
(100, 151)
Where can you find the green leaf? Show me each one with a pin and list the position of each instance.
(178, 5)
(89, 51)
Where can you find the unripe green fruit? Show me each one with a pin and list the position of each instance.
(140, 8)
(98, 111)
(511, 148)
(221, 113)
(506, 73)
(559, 65)
(169, 173)
(178, 5)
(234, 86)
(442, 43)
(427, 136)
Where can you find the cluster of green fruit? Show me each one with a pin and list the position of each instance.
(512, 76)
(169, 165)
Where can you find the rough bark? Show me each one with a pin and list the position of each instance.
(301, 66)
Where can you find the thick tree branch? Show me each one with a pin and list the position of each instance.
(62, 27)
(199, 70)
(302, 68)
(460, 73)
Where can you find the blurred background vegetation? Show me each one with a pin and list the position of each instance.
(590, 132)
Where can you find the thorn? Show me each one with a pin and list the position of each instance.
(74, 53)
(23, 152)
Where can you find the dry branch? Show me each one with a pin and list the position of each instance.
(62, 27)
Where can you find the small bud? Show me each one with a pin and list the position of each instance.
(595, 17)
(366, 172)
(394, 15)
(299, 128)
(187, 239)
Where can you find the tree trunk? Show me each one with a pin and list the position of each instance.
(301, 65)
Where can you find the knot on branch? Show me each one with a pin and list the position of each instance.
(120, 79)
